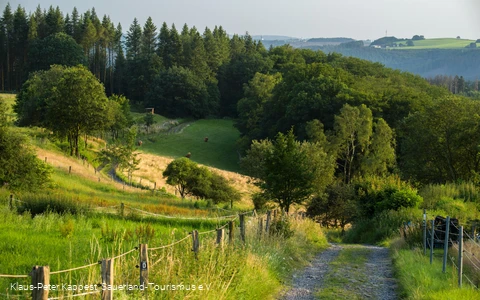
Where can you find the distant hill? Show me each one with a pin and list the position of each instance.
(273, 37)
(338, 40)
(424, 62)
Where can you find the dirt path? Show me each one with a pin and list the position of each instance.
(346, 272)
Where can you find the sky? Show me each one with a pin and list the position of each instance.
(358, 19)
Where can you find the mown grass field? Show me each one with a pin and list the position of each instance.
(440, 43)
(219, 152)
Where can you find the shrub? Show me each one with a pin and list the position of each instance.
(376, 195)
(43, 203)
(384, 226)
(66, 228)
(281, 227)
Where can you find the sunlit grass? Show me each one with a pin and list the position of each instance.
(219, 151)
(418, 279)
(66, 241)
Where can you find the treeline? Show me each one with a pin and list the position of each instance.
(457, 85)
(180, 73)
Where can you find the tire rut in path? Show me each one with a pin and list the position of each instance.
(378, 282)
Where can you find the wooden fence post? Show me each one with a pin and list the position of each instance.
(70, 170)
(231, 234)
(432, 241)
(269, 216)
(122, 209)
(195, 243)
(424, 229)
(460, 256)
(260, 227)
(40, 279)
(143, 266)
(445, 245)
(107, 279)
(220, 233)
(155, 185)
(10, 203)
(242, 227)
(274, 214)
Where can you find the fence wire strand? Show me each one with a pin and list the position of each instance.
(73, 269)
(13, 276)
(170, 245)
(177, 217)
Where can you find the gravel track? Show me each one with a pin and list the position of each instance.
(378, 281)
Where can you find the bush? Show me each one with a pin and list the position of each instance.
(376, 195)
(259, 201)
(384, 226)
(42, 203)
(281, 227)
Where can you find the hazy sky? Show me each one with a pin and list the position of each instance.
(359, 19)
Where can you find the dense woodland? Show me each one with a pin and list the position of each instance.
(313, 125)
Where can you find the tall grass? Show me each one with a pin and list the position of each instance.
(383, 227)
(255, 269)
(433, 193)
(420, 280)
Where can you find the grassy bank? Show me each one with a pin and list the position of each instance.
(255, 269)
(418, 279)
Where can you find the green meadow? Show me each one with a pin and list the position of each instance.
(440, 43)
(219, 152)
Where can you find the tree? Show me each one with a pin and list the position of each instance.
(288, 176)
(134, 40)
(56, 49)
(179, 174)
(353, 131)
(178, 92)
(69, 101)
(381, 157)
(191, 179)
(250, 108)
(440, 144)
(121, 115)
(20, 169)
(337, 207)
(122, 154)
(148, 120)
(149, 38)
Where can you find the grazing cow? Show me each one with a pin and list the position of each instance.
(140, 143)
(188, 155)
(206, 139)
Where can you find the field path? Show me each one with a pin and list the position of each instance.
(346, 272)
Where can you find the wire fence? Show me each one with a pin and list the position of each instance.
(447, 233)
(107, 275)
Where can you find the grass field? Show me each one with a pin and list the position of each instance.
(440, 43)
(218, 152)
